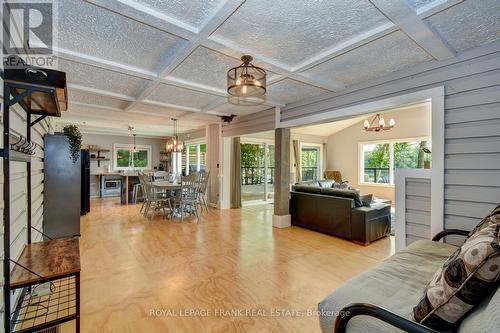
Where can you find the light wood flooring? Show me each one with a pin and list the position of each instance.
(233, 260)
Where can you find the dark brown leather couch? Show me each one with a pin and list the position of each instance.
(338, 212)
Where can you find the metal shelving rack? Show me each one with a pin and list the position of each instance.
(33, 313)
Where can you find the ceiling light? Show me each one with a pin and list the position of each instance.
(369, 125)
(174, 145)
(246, 83)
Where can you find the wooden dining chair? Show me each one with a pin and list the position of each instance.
(186, 198)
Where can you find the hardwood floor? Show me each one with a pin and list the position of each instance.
(144, 276)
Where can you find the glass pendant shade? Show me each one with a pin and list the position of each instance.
(246, 81)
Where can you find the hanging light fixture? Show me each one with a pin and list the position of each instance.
(378, 123)
(246, 83)
(174, 145)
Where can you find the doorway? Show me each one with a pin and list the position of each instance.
(257, 172)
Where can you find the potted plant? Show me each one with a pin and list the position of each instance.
(75, 141)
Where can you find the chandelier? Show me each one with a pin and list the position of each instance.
(246, 83)
(378, 123)
(174, 145)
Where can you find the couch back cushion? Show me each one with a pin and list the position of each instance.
(326, 183)
(307, 188)
(350, 194)
(466, 278)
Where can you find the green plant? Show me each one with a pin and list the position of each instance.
(75, 141)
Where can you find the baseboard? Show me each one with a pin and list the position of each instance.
(282, 221)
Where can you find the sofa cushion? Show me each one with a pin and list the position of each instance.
(395, 284)
(336, 192)
(468, 276)
(367, 199)
(326, 183)
(307, 189)
(484, 317)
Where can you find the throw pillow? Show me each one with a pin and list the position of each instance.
(340, 186)
(367, 199)
(465, 279)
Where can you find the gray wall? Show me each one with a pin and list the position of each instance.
(418, 209)
(472, 124)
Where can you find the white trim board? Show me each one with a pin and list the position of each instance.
(436, 96)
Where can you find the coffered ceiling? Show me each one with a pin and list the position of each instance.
(142, 62)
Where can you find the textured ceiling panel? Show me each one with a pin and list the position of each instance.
(291, 32)
(102, 79)
(419, 3)
(180, 96)
(82, 97)
(193, 12)
(383, 56)
(469, 24)
(158, 110)
(289, 91)
(94, 31)
(240, 110)
(206, 67)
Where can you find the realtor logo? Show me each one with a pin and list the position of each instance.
(29, 31)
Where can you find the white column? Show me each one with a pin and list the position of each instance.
(187, 160)
(198, 158)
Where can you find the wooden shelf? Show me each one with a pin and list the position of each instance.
(51, 259)
(99, 159)
(100, 150)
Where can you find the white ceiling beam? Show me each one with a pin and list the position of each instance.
(147, 16)
(346, 46)
(404, 16)
(221, 15)
(435, 7)
(171, 106)
(96, 106)
(231, 49)
(104, 64)
(100, 92)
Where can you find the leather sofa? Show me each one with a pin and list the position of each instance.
(338, 212)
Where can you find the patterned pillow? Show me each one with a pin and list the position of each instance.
(466, 278)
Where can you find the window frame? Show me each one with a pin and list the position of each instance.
(319, 162)
(391, 142)
(130, 147)
(189, 146)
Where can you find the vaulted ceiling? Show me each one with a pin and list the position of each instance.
(142, 62)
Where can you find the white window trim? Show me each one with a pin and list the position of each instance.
(189, 146)
(320, 159)
(391, 142)
(117, 146)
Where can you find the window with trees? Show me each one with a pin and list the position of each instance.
(380, 159)
(128, 158)
(310, 163)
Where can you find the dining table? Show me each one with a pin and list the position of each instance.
(166, 185)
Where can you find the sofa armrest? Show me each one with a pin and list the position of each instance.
(380, 313)
(447, 232)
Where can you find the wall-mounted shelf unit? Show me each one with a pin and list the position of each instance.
(39, 263)
(99, 158)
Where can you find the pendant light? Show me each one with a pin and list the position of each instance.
(378, 123)
(246, 83)
(174, 145)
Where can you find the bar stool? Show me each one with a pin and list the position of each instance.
(135, 190)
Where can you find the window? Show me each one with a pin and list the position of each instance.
(125, 158)
(193, 158)
(310, 163)
(380, 160)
